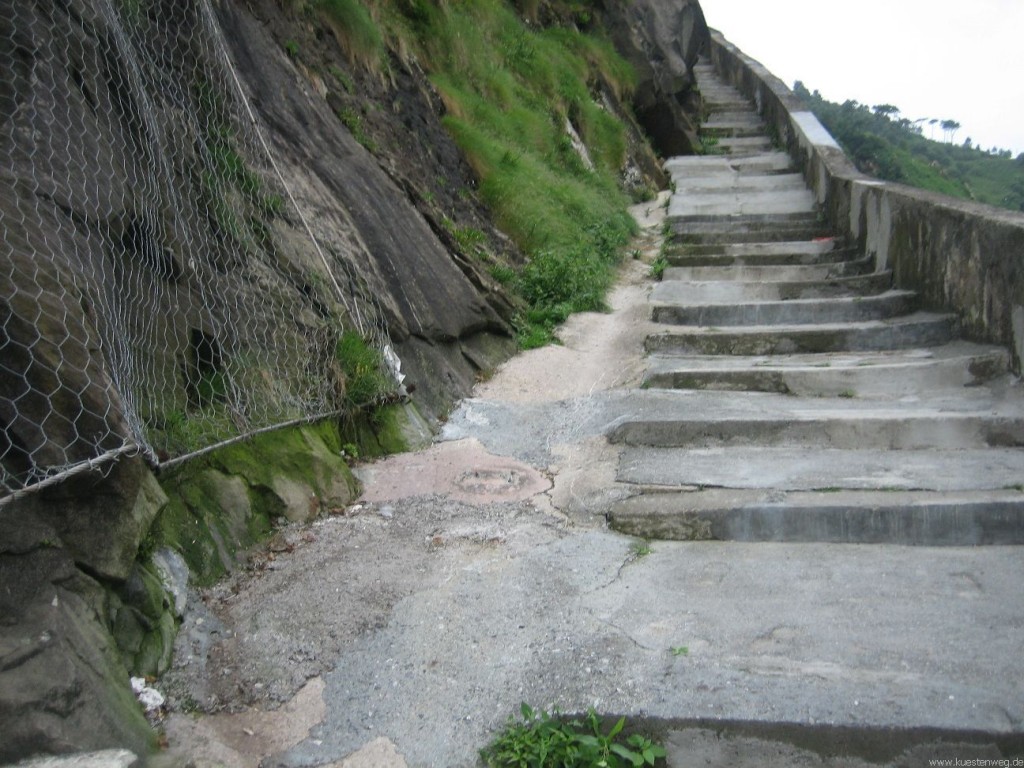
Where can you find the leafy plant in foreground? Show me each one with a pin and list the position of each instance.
(542, 740)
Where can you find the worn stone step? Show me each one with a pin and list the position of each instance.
(717, 95)
(718, 223)
(817, 245)
(744, 144)
(690, 166)
(795, 273)
(722, 183)
(682, 257)
(693, 292)
(732, 128)
(716, 233)
(728, 202)
(842, 309)
(897, 427)
(916, 518)
(739, 116)
(772, 272)
(788, 468)
(729, 131)
(879, 375)
(921, 329)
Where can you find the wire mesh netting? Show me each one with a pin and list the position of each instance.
(145, 304)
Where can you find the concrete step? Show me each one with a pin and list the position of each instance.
(773, 272)
(824, 273)
(718, 223)
(741, 116)
(788, 468)
(691, 166)
(922, 518)
(715, 134)
(728, 202)
(844, 424)
(718, 233)
(684, 257)
(817, 245)
(724, 129)
(845, 309)
(746, 145)
(736, 182)
(693, 292)
(879, 375)
(921, 329)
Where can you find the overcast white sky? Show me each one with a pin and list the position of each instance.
(946, 59)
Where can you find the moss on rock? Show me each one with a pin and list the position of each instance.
(223, 503)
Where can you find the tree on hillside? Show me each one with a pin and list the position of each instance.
(950, 127)
(932, 123)
(886, 110)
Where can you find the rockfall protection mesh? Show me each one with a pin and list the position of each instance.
(145, 306)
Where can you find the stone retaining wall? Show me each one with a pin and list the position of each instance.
(963, 257)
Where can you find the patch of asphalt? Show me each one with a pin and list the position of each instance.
(772, 633)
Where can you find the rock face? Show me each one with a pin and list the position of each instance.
(438, 319)
(176, 269)
(63, 685)
(662, 41)
(136, 214)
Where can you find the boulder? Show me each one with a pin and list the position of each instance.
(662, 40)
(63, 687)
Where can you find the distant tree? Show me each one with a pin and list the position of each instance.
(932, 122)
(1020, 159)
(886, 110)
(950, 127)
(967, 143)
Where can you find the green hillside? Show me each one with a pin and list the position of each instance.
(884, 144)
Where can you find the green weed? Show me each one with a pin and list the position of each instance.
(640, 549)
(363, 366)
(354, 122)
(658, 267)
(543, 740)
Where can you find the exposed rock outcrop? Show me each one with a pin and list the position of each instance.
(140, 210)
(662, 41)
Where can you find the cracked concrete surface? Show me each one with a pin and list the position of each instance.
(479, 574)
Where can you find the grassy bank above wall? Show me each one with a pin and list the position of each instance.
(515, 94)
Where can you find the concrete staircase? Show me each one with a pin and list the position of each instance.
(792, 393)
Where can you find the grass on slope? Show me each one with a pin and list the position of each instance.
(511, 90)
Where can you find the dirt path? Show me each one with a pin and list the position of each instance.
(257, 647)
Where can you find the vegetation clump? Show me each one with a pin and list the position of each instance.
(517, 94)
(545, 741)
(366, 382)
(894, 148)
(512, 91)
